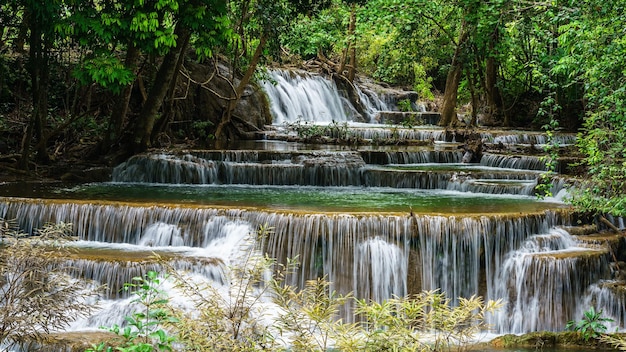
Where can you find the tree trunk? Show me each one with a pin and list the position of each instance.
(120, 109)
(38, 61)
(474, 97)
(148, 115)
(351, 34)
(448, 107)
(168, 110)
(221, 140)
(491, 78)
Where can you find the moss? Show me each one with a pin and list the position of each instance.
(544, 339)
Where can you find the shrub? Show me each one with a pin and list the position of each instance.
(229, 318)
(37, 291)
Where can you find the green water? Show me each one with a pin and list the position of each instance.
(314, 199)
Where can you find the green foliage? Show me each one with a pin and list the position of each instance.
(411, 121)
(548, 110)
(309, 318)
(401, 322)
(339, 131)
(323, 32)
(591, 325)
(422, 82)
(311, 131)
(201, 128)
(594, 42)
(144, 331)
(405, 105)
(107, 71)
(403, 42)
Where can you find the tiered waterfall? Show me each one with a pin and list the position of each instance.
(375, 221)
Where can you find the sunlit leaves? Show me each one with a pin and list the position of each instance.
(107, 71)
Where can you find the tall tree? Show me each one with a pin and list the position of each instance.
(42, 19)
(349, 51)
(257, 22)
(162, 30)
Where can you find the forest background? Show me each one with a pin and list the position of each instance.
(99, 80)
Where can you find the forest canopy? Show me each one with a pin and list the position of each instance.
(106, 70)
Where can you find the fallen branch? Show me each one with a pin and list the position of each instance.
(609, 224)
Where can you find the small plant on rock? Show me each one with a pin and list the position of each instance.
(405, 105)
(591, 325)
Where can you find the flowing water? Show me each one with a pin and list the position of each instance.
(376, 221)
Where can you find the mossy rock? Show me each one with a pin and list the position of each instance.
(545, 339)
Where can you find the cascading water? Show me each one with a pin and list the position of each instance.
(549, 267)
(376, 222)
(301, 96)
(366, 255)
(297, 96)
(383, 273)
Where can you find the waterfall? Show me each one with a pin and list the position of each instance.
(522, 259)
(371, 103)
(298, 168)
(608, 297)
(513, 162)
(547, 267)
(412, 157)
(299, 96)
(160, 234)
(224, 249)
(491, 186)
(303, 96)
(528, 138)
(373, 133)
(383, 270)
(321, 168)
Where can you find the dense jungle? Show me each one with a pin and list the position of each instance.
(87, 85)
(95, 82)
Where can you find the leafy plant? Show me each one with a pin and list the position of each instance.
(405, 105)
(411, 121)
(404, 321)
(337, 130)
(591, 325)
(201, 129)
(144, 331)
(422, 82)
(310, 316)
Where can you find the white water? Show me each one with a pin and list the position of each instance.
(383, 270)
(545, 268)
(299, 96)
(230, 245)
